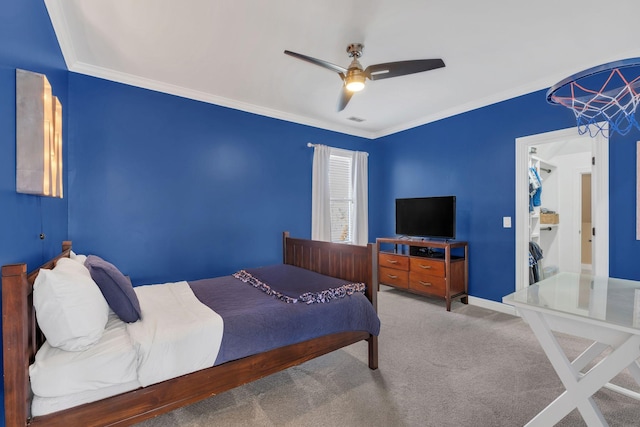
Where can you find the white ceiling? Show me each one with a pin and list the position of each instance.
(230, 53)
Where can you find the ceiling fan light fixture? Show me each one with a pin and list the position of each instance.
(355, 84)
(354, 81)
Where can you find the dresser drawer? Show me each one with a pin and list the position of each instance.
(393, 277)
(399, 262)
(428, 266)
(427, 284)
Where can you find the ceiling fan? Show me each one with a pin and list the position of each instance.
(354, 77)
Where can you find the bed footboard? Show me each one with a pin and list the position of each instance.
(348, 262)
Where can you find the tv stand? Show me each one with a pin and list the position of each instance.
(427, 267)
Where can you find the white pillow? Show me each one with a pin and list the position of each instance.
(77, 257)
(71, 267)
(71, 310)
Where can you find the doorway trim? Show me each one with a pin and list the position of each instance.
(600, 201)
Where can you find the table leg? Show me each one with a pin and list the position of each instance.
(634, 369)
(588, 355)
(579, 387)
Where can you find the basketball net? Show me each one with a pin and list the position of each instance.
(614, 103)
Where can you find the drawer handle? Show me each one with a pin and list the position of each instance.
(426, 267)
(392, 261)
(392, 276)
(424, 283)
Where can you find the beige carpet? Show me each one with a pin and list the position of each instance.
(467, 367)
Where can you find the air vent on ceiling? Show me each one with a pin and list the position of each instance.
(355, 119)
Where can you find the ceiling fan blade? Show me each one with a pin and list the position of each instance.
(320, 62)
(345, 96)
(401, 68)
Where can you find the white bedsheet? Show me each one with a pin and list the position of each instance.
(111, 361)
(47, 405)
(176, 335)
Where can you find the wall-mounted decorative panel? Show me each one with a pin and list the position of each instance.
(38, 136)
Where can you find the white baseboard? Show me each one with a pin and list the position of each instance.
(493, 305)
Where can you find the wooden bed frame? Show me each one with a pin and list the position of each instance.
(21, 339)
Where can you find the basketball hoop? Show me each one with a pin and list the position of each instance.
(606, 94)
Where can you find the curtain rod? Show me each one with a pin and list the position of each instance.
(312, 145)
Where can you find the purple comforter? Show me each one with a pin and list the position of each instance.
(255, 322)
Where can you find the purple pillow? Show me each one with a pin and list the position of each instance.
(115, 287)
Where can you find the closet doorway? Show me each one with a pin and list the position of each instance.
(566, 161)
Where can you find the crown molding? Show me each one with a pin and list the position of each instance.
(55, 9)
(534, 86)
(469, 106)
(141, 82)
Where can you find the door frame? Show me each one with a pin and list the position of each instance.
(599, 193)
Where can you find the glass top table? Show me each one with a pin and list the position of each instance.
(605, 299)
(602, 309)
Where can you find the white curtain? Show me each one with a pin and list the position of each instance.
(360, 198)
(320, 204)
(321, 195)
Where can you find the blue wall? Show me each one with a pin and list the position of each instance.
(472, 156)
(624, 249)
(27, 41)
(168, 188)
(190, 188)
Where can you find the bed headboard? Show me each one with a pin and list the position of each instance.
(21, 336)
(349, 262)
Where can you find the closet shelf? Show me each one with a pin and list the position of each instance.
(543, 165)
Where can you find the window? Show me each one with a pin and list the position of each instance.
(341, 197)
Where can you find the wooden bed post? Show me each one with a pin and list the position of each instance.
(285, 236)
(15, 338)
(372, 293)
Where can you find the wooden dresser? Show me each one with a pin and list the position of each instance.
(426, 267)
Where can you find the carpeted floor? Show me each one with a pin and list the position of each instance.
(467, 367)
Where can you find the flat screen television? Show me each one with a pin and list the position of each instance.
(433, 217)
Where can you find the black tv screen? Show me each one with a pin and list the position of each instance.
(427, 217)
